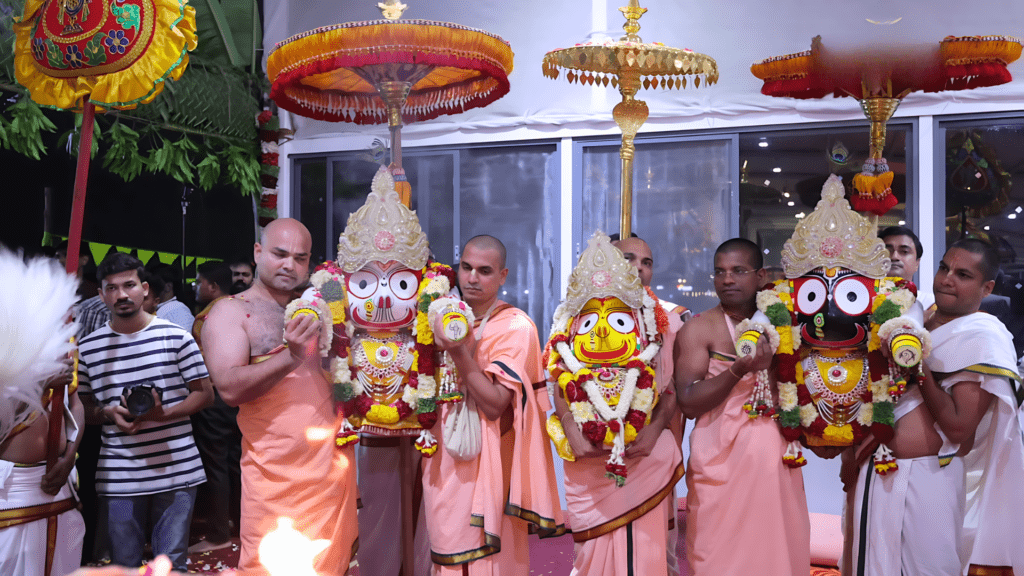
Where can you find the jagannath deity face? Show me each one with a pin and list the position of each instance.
(605, 332)
(833, 307)
(382, 295)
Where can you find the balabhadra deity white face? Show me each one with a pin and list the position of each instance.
(382, 296)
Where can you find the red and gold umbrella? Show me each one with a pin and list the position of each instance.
(82, 54)
(390, 71)
(879, 77)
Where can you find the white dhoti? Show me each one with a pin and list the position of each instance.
(914, 520)
(35, 526)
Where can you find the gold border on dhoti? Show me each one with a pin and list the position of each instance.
(546, 527)
(978, 570)
(492, 545)
(645, 507)
(19, 516)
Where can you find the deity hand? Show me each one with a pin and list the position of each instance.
(581, 447)
(300, 335)
(761, 359)
(906, 350)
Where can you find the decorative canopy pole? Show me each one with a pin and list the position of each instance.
(389, 70)
(627, 63)
(879, 77)
(70, 57)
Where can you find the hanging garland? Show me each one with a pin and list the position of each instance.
(886, 382)
(599, 422)
(420, 391)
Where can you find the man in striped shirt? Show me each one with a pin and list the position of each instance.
(149, 466)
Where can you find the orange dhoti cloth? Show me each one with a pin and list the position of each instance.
(291, 468)
(746, 510)
(624, 530)
(478, 511)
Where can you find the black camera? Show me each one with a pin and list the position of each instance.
(139, 398)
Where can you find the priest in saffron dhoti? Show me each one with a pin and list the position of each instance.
(492, 476)
(612, 416)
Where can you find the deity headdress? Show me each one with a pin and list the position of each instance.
(603, 272)
(834, 235)
(383, 229)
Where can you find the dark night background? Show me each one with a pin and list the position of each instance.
(144, 213)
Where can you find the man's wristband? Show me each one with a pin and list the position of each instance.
(561, 418)
(733, 373)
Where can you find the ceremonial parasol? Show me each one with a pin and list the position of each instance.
(879, 76)
(390, 71)
(79, 55)
(628, 64)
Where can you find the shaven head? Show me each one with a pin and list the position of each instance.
(743, 245)
(485, 242)
(282, 255)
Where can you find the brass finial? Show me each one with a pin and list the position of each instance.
(632, 12)
(392, 9)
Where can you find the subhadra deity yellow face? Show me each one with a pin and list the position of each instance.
(605, 332)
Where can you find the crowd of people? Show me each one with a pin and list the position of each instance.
(217, 405)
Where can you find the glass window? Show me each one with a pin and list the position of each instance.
(681, 208)
(782, 173)
(510, 192)
(981, 161)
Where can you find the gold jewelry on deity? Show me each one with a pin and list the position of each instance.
(385, 362)
(834, 235)
(383, 229)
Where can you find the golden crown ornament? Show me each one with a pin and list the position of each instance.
(603, 272)
(383, 229)
(834, 235)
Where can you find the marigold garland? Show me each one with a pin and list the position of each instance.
(419, 394)
(600, 423)
(797, 411)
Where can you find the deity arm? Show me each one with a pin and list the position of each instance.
(492, 398)
(581, 447)
(226, 350)
(647, 437)
(958, 412)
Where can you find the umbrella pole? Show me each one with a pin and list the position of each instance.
(630, 115)
(56, 420)
(394, 94)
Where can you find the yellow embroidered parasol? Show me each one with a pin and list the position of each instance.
(879, 77)
(628, 64)
(390, 71)
(82, 54)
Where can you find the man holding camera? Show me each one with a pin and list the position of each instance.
(141, 377)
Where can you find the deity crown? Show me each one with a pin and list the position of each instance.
(834, 235)
(603, 272)
(382, 229)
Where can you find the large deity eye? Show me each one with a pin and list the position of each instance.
(404, 284)
(621, 322)
(362, 284)
(587, 323)
(852, 297)
(810, 295)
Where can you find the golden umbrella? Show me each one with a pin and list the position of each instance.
(629, 64)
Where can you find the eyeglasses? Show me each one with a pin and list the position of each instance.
(737, 273)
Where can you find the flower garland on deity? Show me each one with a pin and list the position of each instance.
(881, 379)
(611, 422)
(383, 230)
